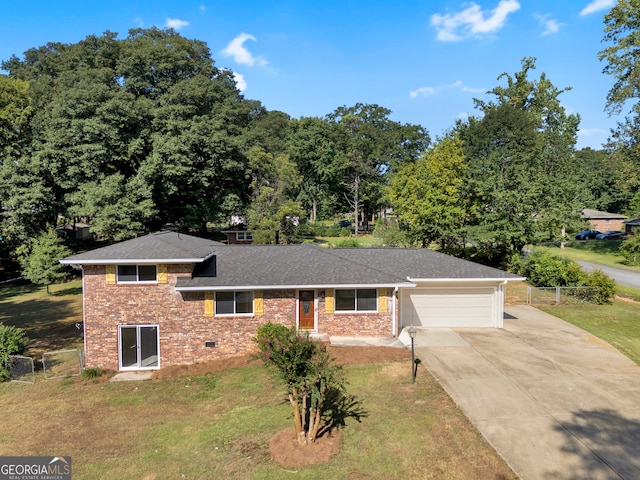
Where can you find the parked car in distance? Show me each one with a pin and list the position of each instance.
(344, 223)
(587, 234)
(611, 235)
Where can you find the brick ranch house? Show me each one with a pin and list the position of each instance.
(168, 298)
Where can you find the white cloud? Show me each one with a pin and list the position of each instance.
(176, 23)
(241, 83)
(588, 132)
(458, 84)
(550, 25)
(596, 6)
(472, 21)
(422, 92)
(240, 54)
(203, 8)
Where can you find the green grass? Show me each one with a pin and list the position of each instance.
(219, 424)
(49, 320)
(617, 323)
(364, 241)
(604, 252)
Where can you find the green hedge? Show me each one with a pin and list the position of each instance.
(546, 270)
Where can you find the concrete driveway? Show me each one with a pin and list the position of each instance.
(553, 400)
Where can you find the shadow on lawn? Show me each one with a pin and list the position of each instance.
(49, 322)
(340, 407)
(613, 438)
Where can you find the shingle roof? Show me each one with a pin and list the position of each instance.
(165, 247)
(596, 214)
(308, 265)
(222, 266)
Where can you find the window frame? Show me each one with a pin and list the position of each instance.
(235, 313)
(355, 300)
(137, 280)
(244, 237)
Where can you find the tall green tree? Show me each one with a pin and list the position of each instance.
(429, 196)
(274, 179)
(40, 257)
(622, 56)
(313, 148)
(150, 114)
(524, 175)
(371, 147)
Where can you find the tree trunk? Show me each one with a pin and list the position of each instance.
(296, 418)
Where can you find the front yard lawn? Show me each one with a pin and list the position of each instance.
(218, 424)
(617, 323)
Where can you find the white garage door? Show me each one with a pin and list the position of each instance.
(449, 307)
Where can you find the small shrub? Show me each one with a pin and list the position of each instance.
(12, 342)
(345, 232)
(630, 250)
(345, 243)
(91, 373)
(606, 287)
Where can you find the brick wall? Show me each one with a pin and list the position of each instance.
(603, 226)
(355, 324)
(183, 328)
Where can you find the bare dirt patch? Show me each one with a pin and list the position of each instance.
(343, 356)
(287, 452)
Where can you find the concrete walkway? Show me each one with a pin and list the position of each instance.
(553, 400)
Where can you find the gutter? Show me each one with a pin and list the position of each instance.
(221, 288)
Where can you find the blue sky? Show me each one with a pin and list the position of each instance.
(424, 60)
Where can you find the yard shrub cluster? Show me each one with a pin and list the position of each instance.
(630, 250)
(546, 270)
(12, 342)
(313, 380)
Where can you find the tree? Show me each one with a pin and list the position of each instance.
(622, 55)
(371, 146)
(40, 259)
(149, 114)
(523, 173)
(428, 195)
(273, 181)
(309, 373)
(312, 147)
(630, 250)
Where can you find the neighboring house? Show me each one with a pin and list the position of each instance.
(78, 231)
(603, 221)
(169, 298)
(238, 237)
(632, 226)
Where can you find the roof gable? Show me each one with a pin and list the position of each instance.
(160, 247)
(589, 214)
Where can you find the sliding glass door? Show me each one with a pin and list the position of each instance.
(139, 347)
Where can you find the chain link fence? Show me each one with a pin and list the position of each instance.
(21, 369)
(561, 295)
(62, 363)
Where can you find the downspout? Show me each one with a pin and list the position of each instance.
(501, 305)
(394, 326)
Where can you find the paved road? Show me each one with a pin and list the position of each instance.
(556, 402)
(620, 275)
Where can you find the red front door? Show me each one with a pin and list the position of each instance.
(306, 310)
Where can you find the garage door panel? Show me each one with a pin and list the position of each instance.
(462, 307)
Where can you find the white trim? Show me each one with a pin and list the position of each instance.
(465, 280)
(347, 312)
(292, 287)
(135, 261)
(137, 327)
(315, 308)
(394, 317)
(235, 303)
